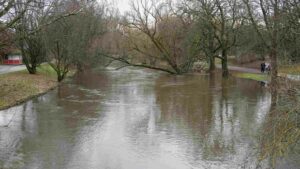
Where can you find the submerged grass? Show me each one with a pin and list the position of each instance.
(253, 76)
(19, 86)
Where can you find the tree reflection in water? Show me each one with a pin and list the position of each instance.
(136, 120)
(222, 115)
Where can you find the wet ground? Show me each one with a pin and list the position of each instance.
(135, 119)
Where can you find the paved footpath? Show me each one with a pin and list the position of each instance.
(251, 70)
(241, 69)
(11, 68)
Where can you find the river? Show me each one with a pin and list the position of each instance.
(138, 119)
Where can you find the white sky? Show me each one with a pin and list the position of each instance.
(123, 5)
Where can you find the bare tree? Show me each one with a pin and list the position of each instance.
(230, 19)
(8, 15)
(29, 34)
(156, 35)
(265, 16)
(203, 30)
(220, 21)
(68, 39)
(29, 39)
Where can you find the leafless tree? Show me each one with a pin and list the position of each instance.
(155, 33)
(8, 15)
(219, 22)
(69, 39)
(266, 16)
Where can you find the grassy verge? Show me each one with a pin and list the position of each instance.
(18, 87)
(253, 76)
(282, 71)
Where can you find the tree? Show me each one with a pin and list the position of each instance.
(28, 36)
(69, 39)
(203, 30)
(229, 19)
(33, 51)
(249, 46)
(8, 13)
(145, 29)
(220, 21)
(289, 34)
(267, 17)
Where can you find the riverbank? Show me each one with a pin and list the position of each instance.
(252, 71)
(18, 87)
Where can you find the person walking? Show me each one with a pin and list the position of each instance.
(268, 67)
(262, 67)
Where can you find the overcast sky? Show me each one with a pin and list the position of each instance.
(123, 5)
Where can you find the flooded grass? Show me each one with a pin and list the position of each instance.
(18, 86)
(253, 76)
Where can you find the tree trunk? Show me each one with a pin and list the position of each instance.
(274, 67)
(175, 68)
(60, 77)
(32, 69)
(212, 65)
(225, 72)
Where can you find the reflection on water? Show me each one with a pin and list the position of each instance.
(135, 120)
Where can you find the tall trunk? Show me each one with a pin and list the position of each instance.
(176, 69)
(31, 68)
(212, 65)
(274, 67)
(60, 76)
(225, 72)
(274, 48)
(274, 97)
(273, 57)
(211, 51)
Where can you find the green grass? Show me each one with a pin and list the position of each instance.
(43, 69)
(46, 69)
(253, 76)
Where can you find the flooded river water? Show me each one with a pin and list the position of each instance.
(135, 119)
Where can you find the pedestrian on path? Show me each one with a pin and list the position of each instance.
(263, 67)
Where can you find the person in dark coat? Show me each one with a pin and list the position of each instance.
(262, 67)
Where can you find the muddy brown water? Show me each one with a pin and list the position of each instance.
(137, 119)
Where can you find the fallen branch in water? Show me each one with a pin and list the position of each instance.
(129, 64)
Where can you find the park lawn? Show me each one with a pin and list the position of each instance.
(253, 76)
(20, 86)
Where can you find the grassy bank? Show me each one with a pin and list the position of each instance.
(253, 76)
(18, 87)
